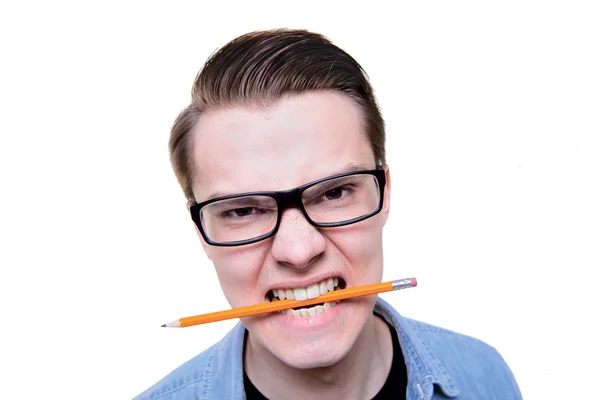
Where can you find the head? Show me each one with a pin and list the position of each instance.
(272, 111)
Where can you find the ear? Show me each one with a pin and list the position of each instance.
(205, 245)
(387, 192)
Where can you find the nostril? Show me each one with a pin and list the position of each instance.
(315, 258)
(296, 258)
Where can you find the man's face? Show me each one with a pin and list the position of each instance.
(299, 140)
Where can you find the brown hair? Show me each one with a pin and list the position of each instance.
(257, 69)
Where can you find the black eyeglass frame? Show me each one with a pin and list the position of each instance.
(290, 198)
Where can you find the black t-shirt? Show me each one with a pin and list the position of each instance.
(394, 387)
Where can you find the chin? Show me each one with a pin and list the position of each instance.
(314, 355)
(304, 343)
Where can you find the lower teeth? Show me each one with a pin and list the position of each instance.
(309, 312)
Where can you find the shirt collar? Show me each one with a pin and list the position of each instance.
(424, 369)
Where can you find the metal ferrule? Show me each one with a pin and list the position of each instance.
(401, 284)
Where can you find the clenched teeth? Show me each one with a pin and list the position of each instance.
(312, 311)
(310, 292)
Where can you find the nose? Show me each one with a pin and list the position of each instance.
(297, 243)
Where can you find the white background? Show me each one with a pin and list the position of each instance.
(492, 112)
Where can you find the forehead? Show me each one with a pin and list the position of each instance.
(299, 139)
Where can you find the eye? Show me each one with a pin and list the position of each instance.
(242, 212)
(334, 194)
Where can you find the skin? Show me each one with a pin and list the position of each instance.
(300, 139)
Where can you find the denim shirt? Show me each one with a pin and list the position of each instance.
(441, 364)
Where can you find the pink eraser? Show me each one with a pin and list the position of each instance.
(413, 281)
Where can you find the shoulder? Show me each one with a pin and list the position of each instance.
(196, 378)
(440, 360)
(475, 367)
(189, 376)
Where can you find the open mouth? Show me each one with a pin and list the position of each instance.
(310, 292)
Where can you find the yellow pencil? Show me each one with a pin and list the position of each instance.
(287, 304)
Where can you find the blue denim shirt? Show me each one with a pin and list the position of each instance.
(441, 364)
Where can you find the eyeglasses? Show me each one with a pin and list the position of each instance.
(326, 203)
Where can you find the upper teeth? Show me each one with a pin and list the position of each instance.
(310, 292)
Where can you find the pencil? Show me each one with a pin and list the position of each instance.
(273, 306)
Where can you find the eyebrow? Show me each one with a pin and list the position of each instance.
(247, 202)
(351, 167)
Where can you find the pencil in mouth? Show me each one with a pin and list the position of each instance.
(310, 292)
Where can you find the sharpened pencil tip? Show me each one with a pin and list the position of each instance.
(173, 324)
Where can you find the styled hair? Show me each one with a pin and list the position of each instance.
(259, 68)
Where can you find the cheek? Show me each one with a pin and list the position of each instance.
(238, 270)
(362, 245)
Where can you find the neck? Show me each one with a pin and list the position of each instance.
(360, 374)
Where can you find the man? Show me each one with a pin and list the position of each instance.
(281, 157)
